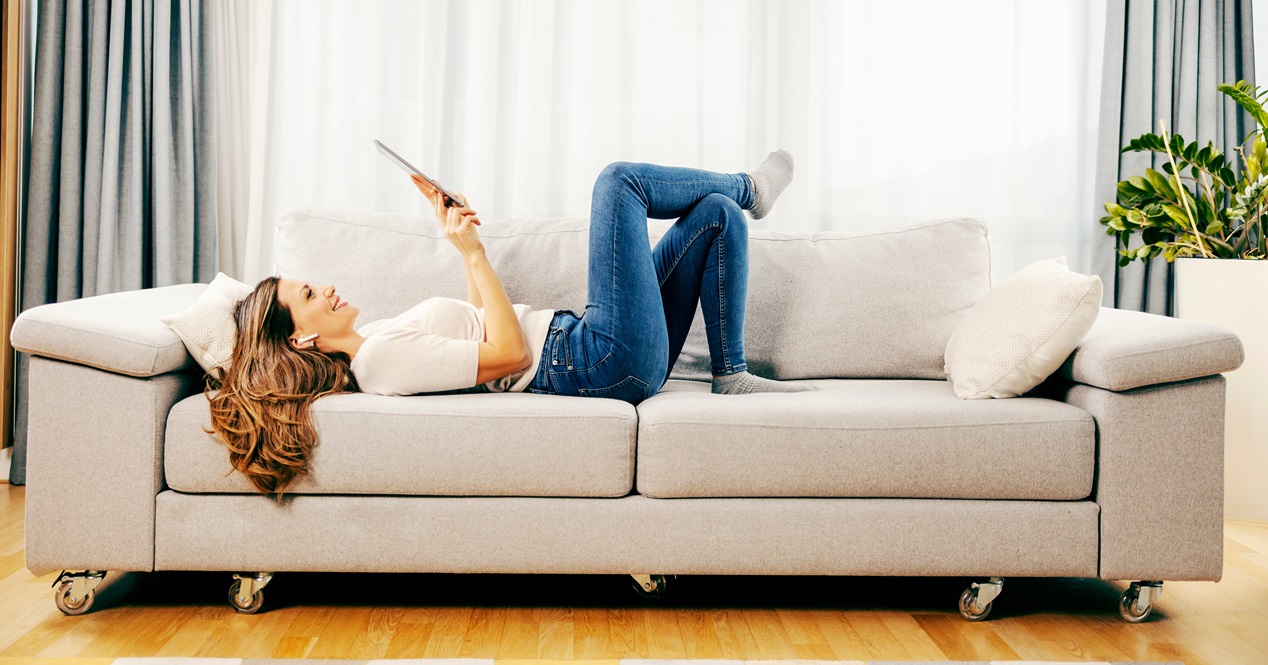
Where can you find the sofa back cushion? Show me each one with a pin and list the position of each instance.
(820, 305)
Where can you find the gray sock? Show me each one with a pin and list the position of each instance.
(743, 383)
(769, 181)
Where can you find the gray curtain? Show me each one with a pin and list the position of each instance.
(122, 187)
(1163, 59)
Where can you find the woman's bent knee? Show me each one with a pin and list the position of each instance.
(726, 207)
(617, 171)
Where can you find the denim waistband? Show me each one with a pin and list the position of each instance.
(540, 381)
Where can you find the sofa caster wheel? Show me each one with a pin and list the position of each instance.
(977, 601)
(74, 594)
(650, 586)
(246, 593)
(1137, 602)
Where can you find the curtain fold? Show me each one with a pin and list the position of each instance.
(896, 112)
(242, 55)
(121, 192)
(1163, 60)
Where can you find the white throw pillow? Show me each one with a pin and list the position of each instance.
(207, 326)
(1022, 330)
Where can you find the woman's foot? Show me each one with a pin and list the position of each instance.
(769, 181)
(743, 383)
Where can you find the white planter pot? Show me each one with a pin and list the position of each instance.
(1233, 293)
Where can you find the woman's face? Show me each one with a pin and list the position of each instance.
(316, 309)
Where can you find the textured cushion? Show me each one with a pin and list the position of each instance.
(119, 332)
(879, 304)
(525, 535)
(506, 444)
(1127, 349)
(862, 438)
(207, 327)
(1021, 332)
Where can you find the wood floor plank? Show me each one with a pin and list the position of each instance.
(880, 641)
(262, 640)
(410, 640)
(338, 635)
(627, 633)
(447, 633)
(916, 642)
(189, 638)
(484, 633)
(769, 634)
(519, 634)
(554, 633)
(664, 637)
(293, 647)
(591, 639)
(373, 643)
(842, 639)
(699, 635)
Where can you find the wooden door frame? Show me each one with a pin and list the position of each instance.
(12, 87)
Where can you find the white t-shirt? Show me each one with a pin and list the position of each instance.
(434, 347)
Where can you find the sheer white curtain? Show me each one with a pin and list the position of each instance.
(896, 112)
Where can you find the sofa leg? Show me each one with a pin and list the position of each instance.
(246, 593)
(649, 586)
(74, 594)
(1137, 602)
(976, 601)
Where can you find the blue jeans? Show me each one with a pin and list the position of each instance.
(641, 300)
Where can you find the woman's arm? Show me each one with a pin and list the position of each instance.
(501, 326)
(505, 350)
(473, 291)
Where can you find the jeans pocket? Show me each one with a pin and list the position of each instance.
(631, 389)
(560, 352)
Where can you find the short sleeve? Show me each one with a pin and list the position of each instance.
(409, 361)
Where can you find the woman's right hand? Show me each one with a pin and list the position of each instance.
(458, 222)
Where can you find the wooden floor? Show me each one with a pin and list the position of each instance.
(365, 616)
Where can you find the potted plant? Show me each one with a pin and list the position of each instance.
(1195, 210)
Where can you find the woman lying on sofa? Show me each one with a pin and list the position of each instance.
(297, 342)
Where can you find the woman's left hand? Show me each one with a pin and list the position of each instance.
(438, 200)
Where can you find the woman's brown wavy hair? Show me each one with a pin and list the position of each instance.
(261, 403)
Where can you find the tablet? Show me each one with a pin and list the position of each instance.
(409, 168)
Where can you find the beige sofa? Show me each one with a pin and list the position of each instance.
(1111, 469)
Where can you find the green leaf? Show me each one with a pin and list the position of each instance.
(1159, 183)
(1140, 183)
(1246, 97)
(1227, 175)
(1215, 227)
(1176, 214)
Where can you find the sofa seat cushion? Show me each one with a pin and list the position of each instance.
(486, 444)
(862, 438)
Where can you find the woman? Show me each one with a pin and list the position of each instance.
(296, 341)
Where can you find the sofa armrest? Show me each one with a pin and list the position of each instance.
(117, 332)
(95, 464)
(1159, 477)
(1127, 349)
